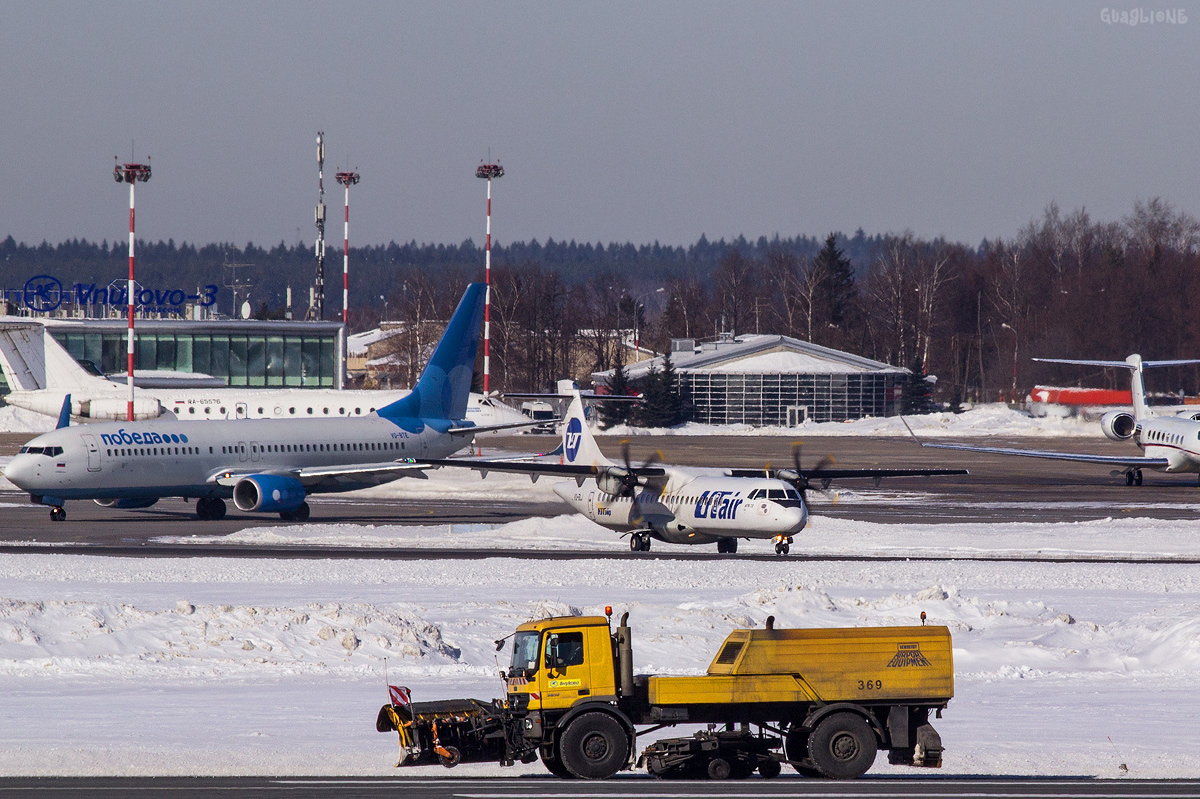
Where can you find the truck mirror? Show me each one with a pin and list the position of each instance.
(552, 652)
(499, 644)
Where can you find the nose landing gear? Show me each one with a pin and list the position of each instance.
(783, 544)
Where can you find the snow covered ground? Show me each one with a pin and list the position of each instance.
(260, 666)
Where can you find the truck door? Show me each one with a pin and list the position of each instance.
(93, 452)
(567, 673)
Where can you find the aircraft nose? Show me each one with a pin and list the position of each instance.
(19, 471)
(796, 518)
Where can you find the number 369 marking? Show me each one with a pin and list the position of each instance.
(870, 685)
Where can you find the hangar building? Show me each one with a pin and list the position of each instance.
(766, 380)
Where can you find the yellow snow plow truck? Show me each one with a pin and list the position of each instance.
(824, 701)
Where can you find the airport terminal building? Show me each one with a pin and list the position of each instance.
(244, 352)
(775, 381)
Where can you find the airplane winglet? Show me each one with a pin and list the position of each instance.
(64, 416)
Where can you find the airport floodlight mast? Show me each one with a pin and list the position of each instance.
(487, 172)
(131, 174)
(347, 179)
(317, 308)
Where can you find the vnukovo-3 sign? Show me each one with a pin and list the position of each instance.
(46, 293)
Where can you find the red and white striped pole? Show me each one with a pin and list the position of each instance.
(488, 171)
(131, 173)
(347, 179)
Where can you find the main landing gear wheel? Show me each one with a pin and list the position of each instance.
(210, 509)
(639, 542)
(58, 515)
(300, 514)
(727, 546)
(1133, 477)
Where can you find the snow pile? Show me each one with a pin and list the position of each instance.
(19, 420)
(262, 666)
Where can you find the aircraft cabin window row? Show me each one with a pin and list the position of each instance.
(279, 411)
(1159, 435)
(135, 452)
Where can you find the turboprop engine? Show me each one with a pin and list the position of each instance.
(1118, 425)
(268, 493)
(616, 482)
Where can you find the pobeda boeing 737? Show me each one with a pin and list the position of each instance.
(680, 505)
(266, 466)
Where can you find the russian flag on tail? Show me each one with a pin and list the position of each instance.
(399, 696)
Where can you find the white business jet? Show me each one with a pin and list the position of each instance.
(41, 373)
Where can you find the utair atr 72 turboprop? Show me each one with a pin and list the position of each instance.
(1171, 443)
(266, 466)
(680, 505)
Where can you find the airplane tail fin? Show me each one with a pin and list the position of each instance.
(578, 444)
(1135, 365)
(32, 360)
(444, 386)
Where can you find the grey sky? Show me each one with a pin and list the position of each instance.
(616, 121)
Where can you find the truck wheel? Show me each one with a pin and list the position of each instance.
(719, 769)
(842, 746)
(769, 769)
(594, 746)
(556, 767)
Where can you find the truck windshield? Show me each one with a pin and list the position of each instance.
(525, 654)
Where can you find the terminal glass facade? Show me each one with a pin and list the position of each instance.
(301, 356)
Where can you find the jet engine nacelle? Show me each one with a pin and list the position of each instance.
(1118, 425)
(616, 482)
(127, 503)
(117, 410)
(268, 493)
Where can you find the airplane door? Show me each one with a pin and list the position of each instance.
(93, 452)
(591, 506)
(243, 451)
(239, 411)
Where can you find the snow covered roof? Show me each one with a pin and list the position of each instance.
(357, 344)
(761, 354)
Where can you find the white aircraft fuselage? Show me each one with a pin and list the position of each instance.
(114, 460)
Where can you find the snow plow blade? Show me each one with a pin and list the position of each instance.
(449, 731)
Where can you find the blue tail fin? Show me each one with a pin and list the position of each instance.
(442, 390)
(64, 416)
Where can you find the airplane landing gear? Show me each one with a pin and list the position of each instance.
(639, 542)
(210, 508)
(300, 514)
(783, 545)
(58, 515)
(1133, 477)
(727, 546)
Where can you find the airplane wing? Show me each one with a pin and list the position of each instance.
(1138, 461)
(316, 475)
(1134, 461)
(534, 470)
(487, 428)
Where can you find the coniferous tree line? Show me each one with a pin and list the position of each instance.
(1064, 285)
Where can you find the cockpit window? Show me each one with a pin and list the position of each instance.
(777, 493)
(52, 452)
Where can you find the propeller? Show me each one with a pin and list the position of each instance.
(796, 475)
